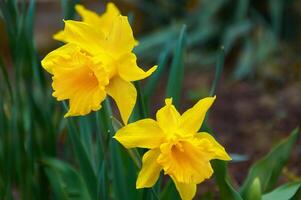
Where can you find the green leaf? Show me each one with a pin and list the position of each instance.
(68, 8)
(276, 13)
(174, 85)
(284, 192)
(124, 173)
(246, 62)
(218, 71)
(66, 182)
(269, 168)
(6, 78)
(254, 193)
(170, 191)
(155, 77)
(82, 157)
(242, 9)
(227, 191)
(235, 32)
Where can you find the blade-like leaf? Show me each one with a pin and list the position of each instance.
(154, 78)
(174, 85)
(6, 77)
(227, 191)
(269, 168)
(82, 157)
(170, 191)
(68, 8)
(66, 182)
(284, 192)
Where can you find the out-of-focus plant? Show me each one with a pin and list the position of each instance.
(29, 121)
(36, 161)
(246, 25)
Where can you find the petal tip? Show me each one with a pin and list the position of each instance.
(168, 101)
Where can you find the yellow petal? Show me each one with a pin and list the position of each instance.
(150, 171)
(82, 34)
(129, 70)
(168, 117)
(124, 93)
(144, 133)
(192, 119)
(59, 56)
(88, 16)
(104, 21)
(185, 161)
(60, 36)
(218, 150)
(186, 190)
(74, 79)
(120, 39)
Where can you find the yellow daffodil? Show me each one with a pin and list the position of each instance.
(175, 146)
(96, 60)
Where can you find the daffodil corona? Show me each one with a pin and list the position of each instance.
(96, 60)
(175, 146)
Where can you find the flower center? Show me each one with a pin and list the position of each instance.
(177, 147)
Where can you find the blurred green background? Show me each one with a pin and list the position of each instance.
(258, 98)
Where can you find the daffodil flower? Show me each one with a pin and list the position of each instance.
(175, 146)
(97, 60)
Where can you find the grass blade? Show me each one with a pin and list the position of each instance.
(174, 85)
(227, 191)
(66, 182)
(82, 157)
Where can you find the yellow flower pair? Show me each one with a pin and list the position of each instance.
(96, 61)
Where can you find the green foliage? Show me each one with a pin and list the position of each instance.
(66, 182)
(85, 165)
(284, 192)
(254, 192)
(174, 85)
(227, 191)
(268, 169)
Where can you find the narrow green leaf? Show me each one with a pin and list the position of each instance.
(284, 192)
(142, 111)
(218, 71)
(68, 8)
(276, 14)
(245, 63)
(155, 77)
(66, 182)
(170, 191)
(235, 32)
(174, 85)
(242, 9)
(269, 168)
(105, 131)
(124, 173)
(82, 157)
(227, 191)
(6, 78)
(86, 137)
